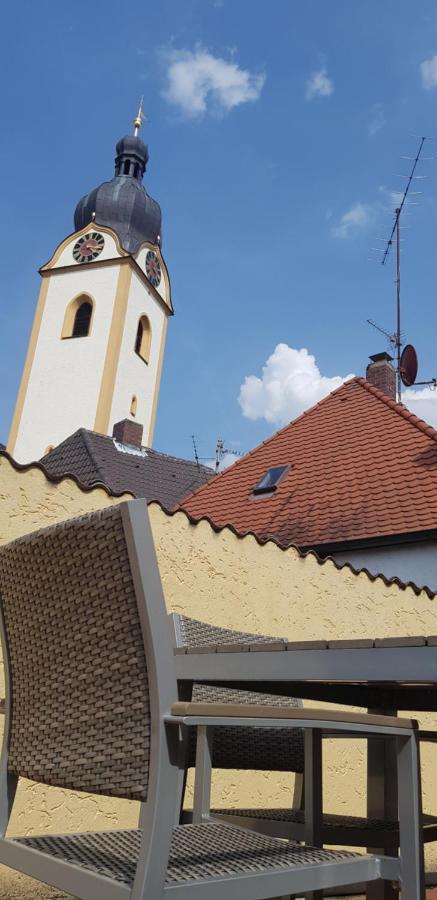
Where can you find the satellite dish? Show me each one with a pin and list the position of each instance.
(408, 365)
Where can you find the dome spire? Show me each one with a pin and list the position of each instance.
(139, 118)
(123, 203)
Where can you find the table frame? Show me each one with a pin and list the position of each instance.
(385, 676)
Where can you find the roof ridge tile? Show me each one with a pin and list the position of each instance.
(400, 409)
(56, 479)
(303, 554)
(86, 439)
(189, 462)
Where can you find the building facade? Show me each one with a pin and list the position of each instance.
(214, 575)
(354, 477)
(97, 343)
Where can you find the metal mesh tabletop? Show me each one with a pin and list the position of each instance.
(298, 816)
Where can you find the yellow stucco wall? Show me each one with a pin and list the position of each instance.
(235, 583)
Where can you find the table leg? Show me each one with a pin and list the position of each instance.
(313, 787)
(382, 799)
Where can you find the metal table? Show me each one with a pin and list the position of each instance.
(384, 675)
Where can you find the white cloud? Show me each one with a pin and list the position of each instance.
(428, 71)
(228, 460)
(198, 82)
(319, 85)
(353, 220)
(377, 119)
(423, 403)
(290, 383)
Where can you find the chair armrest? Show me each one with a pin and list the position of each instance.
(426, 737)
(259, 716)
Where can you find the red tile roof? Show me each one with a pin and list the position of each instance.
(362, 466)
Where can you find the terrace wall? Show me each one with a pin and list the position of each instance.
(233, 582)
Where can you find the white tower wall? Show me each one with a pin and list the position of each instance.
(65, 377)
(89, 382)
(134, 376)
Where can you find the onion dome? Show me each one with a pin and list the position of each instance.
(123, 204)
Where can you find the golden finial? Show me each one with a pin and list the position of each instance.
(139, 118)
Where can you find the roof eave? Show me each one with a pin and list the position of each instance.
(375, 541)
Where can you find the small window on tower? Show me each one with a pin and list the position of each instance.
(82, 320)
(133, 406)
(269, 482)
(143, 339)
(78, 317)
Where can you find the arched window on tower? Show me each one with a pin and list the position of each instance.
(143, 339)
(78, 316)
(82, 319)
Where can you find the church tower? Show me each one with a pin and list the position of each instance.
(97, 343)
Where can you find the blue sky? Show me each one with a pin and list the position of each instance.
(275, 132)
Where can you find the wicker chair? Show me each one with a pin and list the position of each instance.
(91, 705)
(272, 751)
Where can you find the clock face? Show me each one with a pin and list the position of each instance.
(88, 247)
(153, 268)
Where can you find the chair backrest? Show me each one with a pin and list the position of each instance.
(74, 635)
(266, 749)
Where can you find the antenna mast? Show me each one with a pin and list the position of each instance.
(196, 455)
(396, 231)
(219, 452)
(398, 307)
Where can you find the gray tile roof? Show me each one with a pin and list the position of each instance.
(96, 459)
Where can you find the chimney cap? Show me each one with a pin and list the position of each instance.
(381, 357)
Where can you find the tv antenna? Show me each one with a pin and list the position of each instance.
(389, 335)
(196, 455)
(220, 451)
(395, 237)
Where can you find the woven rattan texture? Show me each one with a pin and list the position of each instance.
(265, 749)
(197, 851)
(194, 633)
(80, 702)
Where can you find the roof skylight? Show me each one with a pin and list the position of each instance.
(269, 482)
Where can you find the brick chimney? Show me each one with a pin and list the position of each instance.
(382, 375)
(128, 432)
